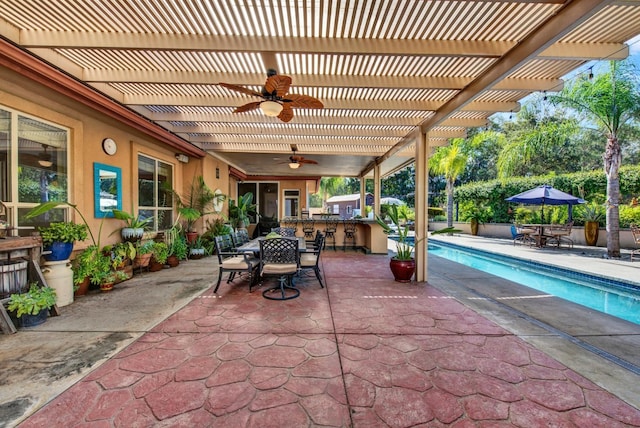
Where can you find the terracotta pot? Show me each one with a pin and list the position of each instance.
(402, 270)
(173, 261)
(191, 237)
(154, 266)
(591, 231)
(142, 260)
(83, 287)
(106, 287)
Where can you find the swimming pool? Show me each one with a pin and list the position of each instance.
(612, 297)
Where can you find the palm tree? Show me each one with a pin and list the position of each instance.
(449, 161)
(328, 187)
(609, 100)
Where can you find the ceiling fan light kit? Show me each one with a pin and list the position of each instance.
(271, 108)
(44, 158)
(276, 99)
(294, 165)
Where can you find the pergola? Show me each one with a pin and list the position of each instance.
(396, 78)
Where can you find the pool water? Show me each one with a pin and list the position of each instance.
(620, 300)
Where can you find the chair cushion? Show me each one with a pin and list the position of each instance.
(308, 259)
(274, 268)
(237, 262)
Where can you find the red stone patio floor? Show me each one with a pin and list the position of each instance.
(362, 352)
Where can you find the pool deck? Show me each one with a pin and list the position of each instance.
(464, 349)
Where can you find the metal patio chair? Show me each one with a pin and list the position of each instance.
(310, 260)
(233, 262)
(635, 230)
(280, 257)
(558, 234)
(349, 234)
(330, 229)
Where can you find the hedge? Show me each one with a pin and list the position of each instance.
(591, 184)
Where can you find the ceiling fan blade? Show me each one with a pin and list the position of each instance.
(240, 89)
(286, 114)
(277, 85)
(248, 107)
(303, 101)
(309, 161)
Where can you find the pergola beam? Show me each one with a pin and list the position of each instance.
(52, 39)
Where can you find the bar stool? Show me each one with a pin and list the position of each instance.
(290, 223)
(308, 227)
(330, 231)
(349, 234)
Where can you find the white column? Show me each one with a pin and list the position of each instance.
(422, 213)
(376, 190)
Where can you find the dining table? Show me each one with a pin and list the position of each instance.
(539, 235)
(254, 245)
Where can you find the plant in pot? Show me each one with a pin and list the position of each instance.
(402, 265)
(178, 248)
(144, 252)
(159, 258)
(476, 216)
(196, 249)
(592, 214)
(134, 228)
(110, 278)
(32, 307)
(89, 267)
(58, 239)
(121, 255)
(197, 202)
(239, 212)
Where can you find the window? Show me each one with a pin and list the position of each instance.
(155, 198)
(33, 168)
(291, 203)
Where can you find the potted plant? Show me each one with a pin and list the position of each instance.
(591, 214)
(196, 249)
(134, 228)
(33, 306)
(239, 212)
(121, 256)
(159, 258)
(476, 216)
(58, 239)
(90, 266)
(111, 278)
(402, 265)
(178, 249)
(198, 201)
(144, 252)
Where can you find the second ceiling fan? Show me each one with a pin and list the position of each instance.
(276, 99)
(296, 161)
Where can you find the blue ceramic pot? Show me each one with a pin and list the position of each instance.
(59, 251)
(28, 320)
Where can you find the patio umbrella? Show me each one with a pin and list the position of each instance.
(547, 195)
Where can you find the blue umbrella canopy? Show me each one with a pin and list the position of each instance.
(546, 195)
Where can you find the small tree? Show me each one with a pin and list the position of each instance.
(449, 161)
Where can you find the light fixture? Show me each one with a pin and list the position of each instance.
(271, 108)
(294, 165)
(590, 72)
(544, 98)
(182, 157)
(44, 158)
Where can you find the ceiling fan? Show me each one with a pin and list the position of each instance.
(276, 99)
(296, 161)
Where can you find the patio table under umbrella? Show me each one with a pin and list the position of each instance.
(546, 195)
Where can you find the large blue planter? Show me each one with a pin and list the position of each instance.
(59, 251)
(28, 320)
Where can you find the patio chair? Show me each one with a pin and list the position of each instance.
(240, 237)
(280, 257)
(285, 231)
(557, 234)
(635, 230)
(310, 260)
(330, 229)
(312, 245)
(523, 235)
(233, 262)
(308, 227)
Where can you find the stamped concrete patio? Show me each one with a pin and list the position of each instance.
(362, 352)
